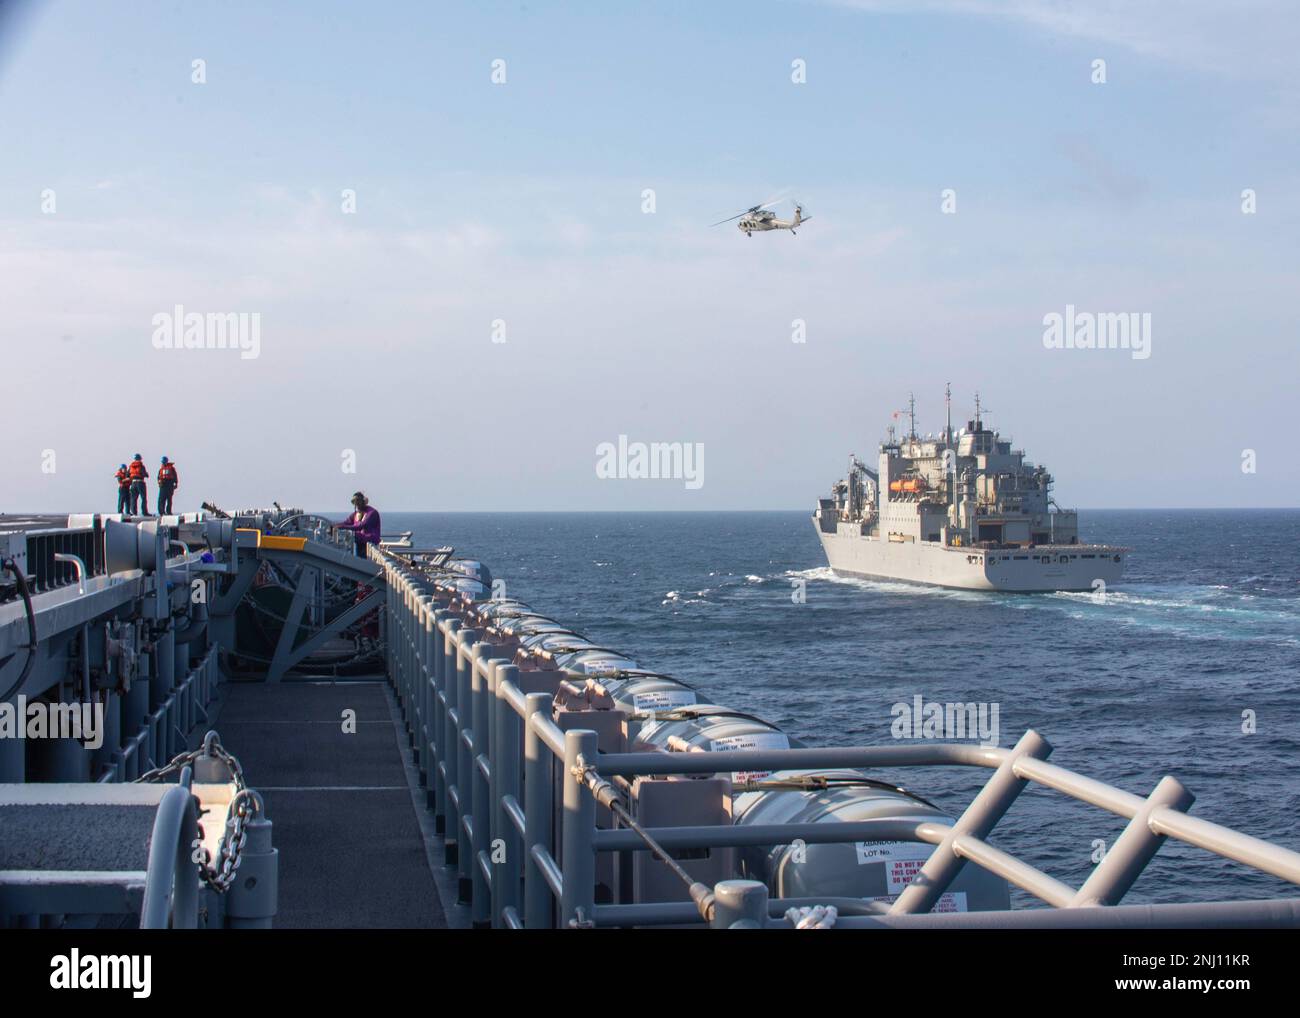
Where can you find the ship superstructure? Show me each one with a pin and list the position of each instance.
(961, 509)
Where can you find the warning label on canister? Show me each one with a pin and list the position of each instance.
(604, 666)
(751, 740)
(902, 860)
(662, 699)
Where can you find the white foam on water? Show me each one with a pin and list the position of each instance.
(826, 574)
(1209, 611)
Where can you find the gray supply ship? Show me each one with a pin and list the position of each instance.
(961, 510)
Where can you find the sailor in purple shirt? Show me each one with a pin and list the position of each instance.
(364, 523)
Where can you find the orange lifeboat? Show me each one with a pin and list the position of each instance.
(908, 484)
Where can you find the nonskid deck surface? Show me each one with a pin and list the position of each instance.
(351, 851)
(14, 522)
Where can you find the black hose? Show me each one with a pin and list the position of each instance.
(12, 566)
(690, 713)
(638, 673)
(825, 783)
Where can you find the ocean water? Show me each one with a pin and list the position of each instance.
(1153, 681)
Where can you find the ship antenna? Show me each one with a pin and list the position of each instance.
(978, 426)
(911, 413)
(950, 481)
(947, 402)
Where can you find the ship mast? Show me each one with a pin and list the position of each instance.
(947, 402)
(950, 481)
(973, 510)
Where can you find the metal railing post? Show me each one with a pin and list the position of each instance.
(408, 695)
(399, 598)
(578, 832)
(1133, 849)
(506, 737)
(480, 809)
(388, 622)
(739, 904)
(425, 680)
(393, 627)
(428, 743)
(464, 644)
(421, 748)
(413, 680)
(985, 810)
(450, 744)
(539, 784)
(399, 642)
(408, 683)
(438, 727)
(434, 791)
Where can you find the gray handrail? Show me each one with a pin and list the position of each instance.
(478, 733)
(171, 890)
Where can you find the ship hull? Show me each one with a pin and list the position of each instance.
(1041, 569)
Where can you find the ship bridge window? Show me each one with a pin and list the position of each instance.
(1020, 558)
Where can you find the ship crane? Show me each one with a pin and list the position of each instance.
(858, 498)
(856, 464)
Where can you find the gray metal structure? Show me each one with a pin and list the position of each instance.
(568, 786)
(125, 620)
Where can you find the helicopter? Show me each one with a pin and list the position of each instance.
(761, 218)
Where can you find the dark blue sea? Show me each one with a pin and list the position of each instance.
(1154, 681)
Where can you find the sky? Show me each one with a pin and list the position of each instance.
(463, 290)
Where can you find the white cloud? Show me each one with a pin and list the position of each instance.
(1246, 38)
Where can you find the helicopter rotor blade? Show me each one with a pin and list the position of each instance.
(775, 200)
(736, 216)
(781, 196)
